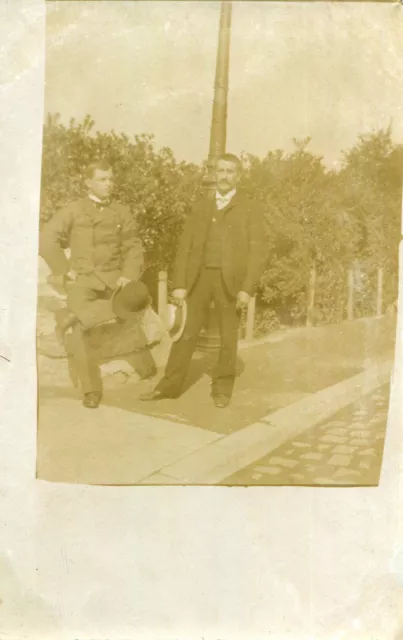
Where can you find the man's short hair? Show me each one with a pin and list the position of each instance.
(231, 157)
(100, 164)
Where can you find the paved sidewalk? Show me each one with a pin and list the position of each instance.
(289, 385)
(273, 374)
(114, 446)
(109, 446)
(219, 460)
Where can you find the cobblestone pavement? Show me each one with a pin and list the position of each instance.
(346, 450)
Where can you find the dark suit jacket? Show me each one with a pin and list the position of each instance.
(243, 244)
(104, 243)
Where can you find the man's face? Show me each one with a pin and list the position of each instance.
(227, 176)
(101, 183)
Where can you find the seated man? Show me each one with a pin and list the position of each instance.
(106, 254)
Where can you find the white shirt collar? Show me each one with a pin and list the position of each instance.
(223, 199)
(94, 198)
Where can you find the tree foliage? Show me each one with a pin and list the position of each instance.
(331, 220)
(328, 219)
(158, 190)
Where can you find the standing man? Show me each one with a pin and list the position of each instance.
(106, 254)
(221, 256)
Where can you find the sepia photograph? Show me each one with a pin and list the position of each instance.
(219, 225)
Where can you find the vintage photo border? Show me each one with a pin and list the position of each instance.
(62, 541)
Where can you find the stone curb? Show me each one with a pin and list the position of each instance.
(214, 462)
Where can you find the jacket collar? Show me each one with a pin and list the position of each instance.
(92, 211)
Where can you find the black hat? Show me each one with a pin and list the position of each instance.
(130, 299)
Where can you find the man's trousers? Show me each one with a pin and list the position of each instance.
(87, 366)
(92, 308)
(209, 287)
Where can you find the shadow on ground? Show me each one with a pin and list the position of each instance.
(270, 376)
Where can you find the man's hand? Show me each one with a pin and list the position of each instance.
(122, 282)
(71, 275)
(179, 295)
(242, 299)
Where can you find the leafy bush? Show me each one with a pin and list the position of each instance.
(315, 217)
(329, 220)
(158, 190)
(266, 321)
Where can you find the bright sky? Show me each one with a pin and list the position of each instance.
(319, 69)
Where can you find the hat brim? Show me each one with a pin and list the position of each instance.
(121, 312)
(176, 333)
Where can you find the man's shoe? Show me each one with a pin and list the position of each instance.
(91, 400)
(156, 394)
(221, 401)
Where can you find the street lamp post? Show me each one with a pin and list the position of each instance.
(209, 338)
(218, 131)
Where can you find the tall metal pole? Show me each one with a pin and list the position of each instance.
(218, 132)
(210, 337)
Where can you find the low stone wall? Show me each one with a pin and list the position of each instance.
(55, 372)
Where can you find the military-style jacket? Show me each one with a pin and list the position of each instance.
(103, 243)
